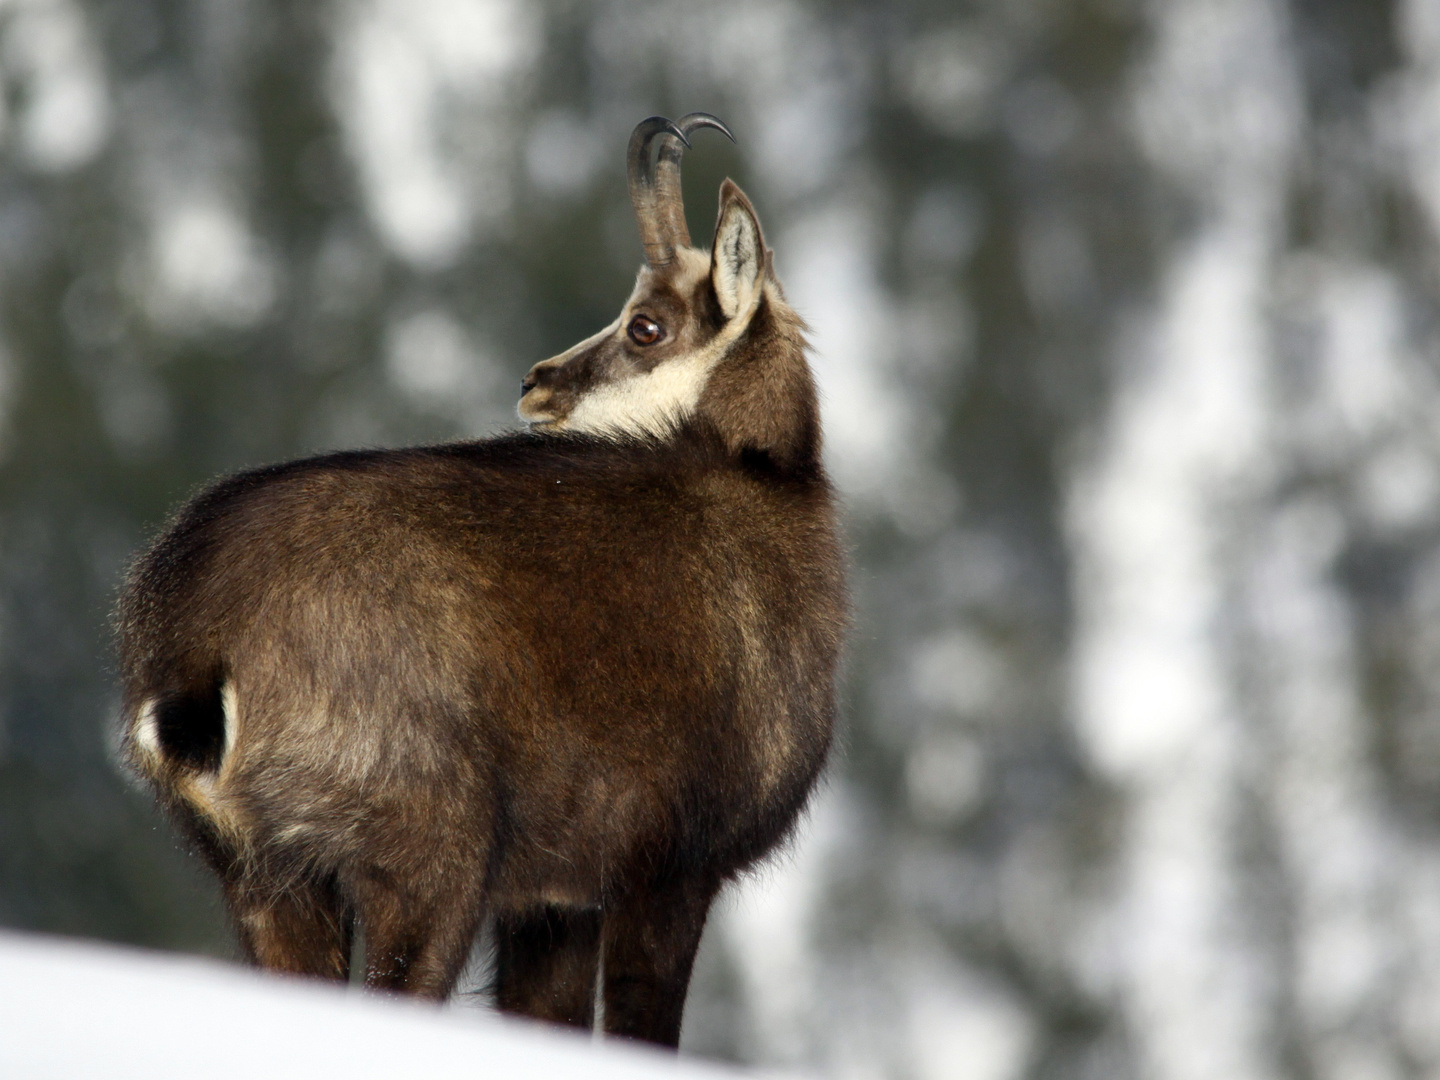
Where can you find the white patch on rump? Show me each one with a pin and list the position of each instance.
(144, 733)
(230, 706)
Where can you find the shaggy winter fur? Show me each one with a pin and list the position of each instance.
(574, 678)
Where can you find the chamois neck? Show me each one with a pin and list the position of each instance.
(761, 397)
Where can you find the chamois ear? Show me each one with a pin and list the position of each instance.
(737, 261)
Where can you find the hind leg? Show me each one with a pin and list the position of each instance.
(304, 928)
(416, 943)
(546, 962)
(285, 920)
(650, 940)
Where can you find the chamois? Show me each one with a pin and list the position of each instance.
(572, 678)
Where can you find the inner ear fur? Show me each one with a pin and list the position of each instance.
(738, 259)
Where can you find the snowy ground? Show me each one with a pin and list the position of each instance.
(71, 1009)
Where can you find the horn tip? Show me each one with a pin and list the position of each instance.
(691, 121)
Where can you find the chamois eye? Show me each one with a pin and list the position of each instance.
(645, 331)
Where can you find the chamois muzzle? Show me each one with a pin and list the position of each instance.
(655, 184)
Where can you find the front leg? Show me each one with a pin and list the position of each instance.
(650, 940)
(546, 962)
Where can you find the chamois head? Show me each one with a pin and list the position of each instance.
(704, 336)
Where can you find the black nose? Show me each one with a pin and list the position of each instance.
(528, 383)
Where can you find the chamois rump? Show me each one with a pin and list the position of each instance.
(572, 678)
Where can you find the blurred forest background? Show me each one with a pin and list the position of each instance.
(1125, 313)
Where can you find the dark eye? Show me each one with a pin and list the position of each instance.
(645, 331)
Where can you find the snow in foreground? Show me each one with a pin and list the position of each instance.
(73, 1009)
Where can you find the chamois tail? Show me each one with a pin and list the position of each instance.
(188, 726)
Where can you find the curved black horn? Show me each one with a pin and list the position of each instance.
(655, 189)
(670, 198)
(659, 248)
